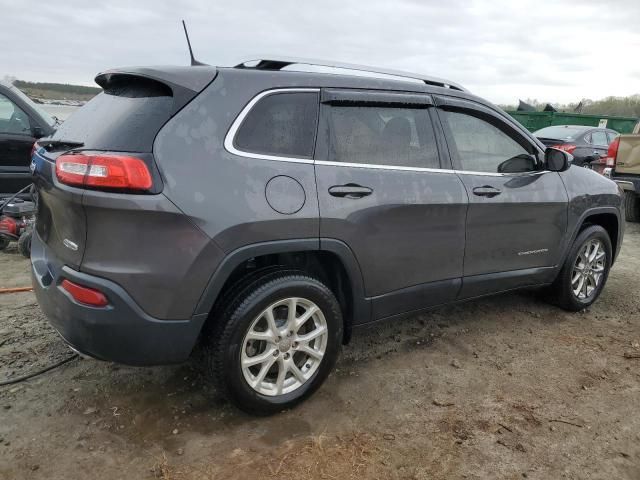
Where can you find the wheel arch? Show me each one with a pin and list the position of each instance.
(330, 260)
(606, 217)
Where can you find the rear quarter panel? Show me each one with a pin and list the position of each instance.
(224, 194)
(590, 193)
(149, 247)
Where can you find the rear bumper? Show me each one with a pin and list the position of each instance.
(627, 182)
(120, 332)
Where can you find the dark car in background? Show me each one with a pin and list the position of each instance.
(587, 144)
(22, 122)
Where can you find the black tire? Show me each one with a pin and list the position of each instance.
(4, 242)
(632, 207)
(224, 337)
(561, 290)
(24, 244)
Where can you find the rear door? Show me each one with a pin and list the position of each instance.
(383, 191)
(16, 142)
(599, 143)
(611, 134)
(517, 215)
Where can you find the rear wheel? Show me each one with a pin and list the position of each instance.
(275, 343)
(585, 270)
(4, 242)
(632, 207)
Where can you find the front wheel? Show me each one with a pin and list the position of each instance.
(275, 343)
(585, 270)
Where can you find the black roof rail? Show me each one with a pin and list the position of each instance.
(278, 63)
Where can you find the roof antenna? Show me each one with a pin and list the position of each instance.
(194, 62)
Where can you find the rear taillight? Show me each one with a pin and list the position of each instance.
(108, 171)
(612, 153)
(85, 295)
(567, 147)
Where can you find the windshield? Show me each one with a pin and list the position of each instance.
(560, 132)
(45, 116)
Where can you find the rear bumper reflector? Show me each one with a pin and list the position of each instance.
(85, 295)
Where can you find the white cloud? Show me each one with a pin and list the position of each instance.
(502, 50)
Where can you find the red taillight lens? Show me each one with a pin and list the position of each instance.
(85, 295)
(567, 147)
(107, 171)
(8, 225)
(612, 153)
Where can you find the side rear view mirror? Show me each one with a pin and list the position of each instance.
(557, 160)
(518, 164)
(37, 132)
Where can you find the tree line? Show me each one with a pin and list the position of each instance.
(57, 87)
(615, 106)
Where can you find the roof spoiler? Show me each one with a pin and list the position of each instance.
(185, 82)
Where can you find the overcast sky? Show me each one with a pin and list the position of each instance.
(553, 50)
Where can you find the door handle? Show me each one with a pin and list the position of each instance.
(486, 191)
(350, 190)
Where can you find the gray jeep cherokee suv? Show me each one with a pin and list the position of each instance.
(264, 213)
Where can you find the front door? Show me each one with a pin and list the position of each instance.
(16, 141)
(517, 215)
(383, 191)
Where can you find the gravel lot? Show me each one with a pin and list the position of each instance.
(507, 387)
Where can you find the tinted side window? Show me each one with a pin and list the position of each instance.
(281, 124)
(382, 136)
(599, 137)
(611, 136)
(483, 147)
(12, 118)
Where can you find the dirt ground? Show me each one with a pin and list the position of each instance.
(507, 387)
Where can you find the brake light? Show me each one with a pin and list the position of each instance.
(567, 147)
(8, 225)
(612, 153)
(109, 171)
(85, 295)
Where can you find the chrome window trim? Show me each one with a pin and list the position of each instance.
(496, 174)
(233, 130)
(383, 167)
(432, 170)
(235, 126)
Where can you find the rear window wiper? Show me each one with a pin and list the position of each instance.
(53, 145)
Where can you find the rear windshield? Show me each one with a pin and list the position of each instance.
(560, 132)
(119, 120)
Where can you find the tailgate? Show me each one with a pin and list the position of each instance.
(628, 158)
(61, 222)
(123, 119)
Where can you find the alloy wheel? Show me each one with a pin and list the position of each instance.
(589, 269)
(284, 346)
